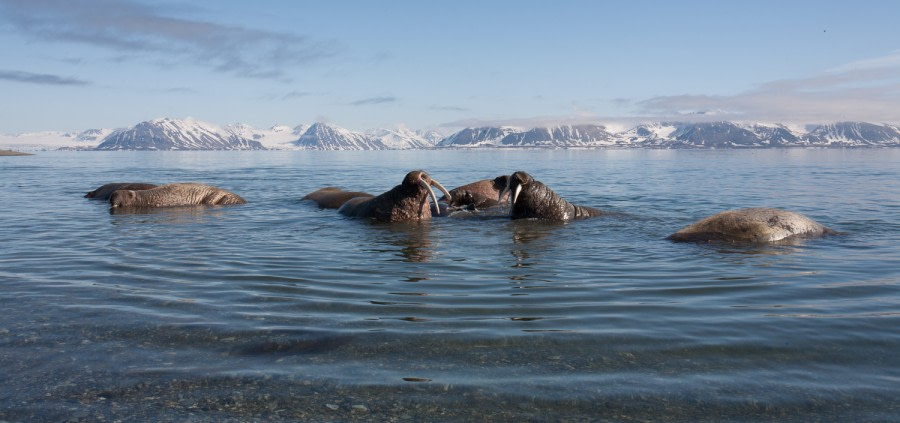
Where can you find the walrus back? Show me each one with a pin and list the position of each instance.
(105, 191)
(356, 207)
(755, 225)
(178, 194)
(332, 197)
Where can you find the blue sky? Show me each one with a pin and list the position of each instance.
(70, 65)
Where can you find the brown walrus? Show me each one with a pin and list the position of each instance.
(532, 199)
(14, 153)
(480, 194)
(333, 197)
(405, 202)
(106, 190)
(181, 194)
(754, 225)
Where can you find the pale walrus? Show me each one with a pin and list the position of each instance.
(181, 194)
(533, 200)
(106, 190)
(405, 202)
(754, 225)
(479, 194)
(333, 197)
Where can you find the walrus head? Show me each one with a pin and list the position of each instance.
(514, 185)
(122, 198)
(500, 183)
(419, 179)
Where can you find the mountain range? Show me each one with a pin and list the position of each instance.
(192, 134)
(680, 135)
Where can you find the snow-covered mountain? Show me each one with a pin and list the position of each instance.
(176, 134)
(93, 136)
(54, 140)
(559, 136)
(324, 136)
(401, 138)
(681, 135)
(278, 137)
(432, 137)
(478, 137)
(854, 134)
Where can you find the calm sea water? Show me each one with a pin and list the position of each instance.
(276, 310)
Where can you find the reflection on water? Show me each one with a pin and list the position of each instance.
(177, 215)
(411, 242)
(531, 237)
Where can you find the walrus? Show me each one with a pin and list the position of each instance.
(14, 153)
(405, 202)
(533, 199)
(753, 225)
(169, 195)
(106, 190)
(478, 195)
(333, 197)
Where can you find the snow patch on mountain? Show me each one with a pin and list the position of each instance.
(278, 137)
(400, 138)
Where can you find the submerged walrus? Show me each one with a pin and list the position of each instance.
(533, 199)
(333, 197)
(480, 194)
(106, 190)
(754, 225)
(181, 194)
(405, 202)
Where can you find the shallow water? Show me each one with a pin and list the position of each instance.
(276, 310)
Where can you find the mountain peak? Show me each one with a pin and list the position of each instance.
(325, 136)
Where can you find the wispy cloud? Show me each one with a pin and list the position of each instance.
(178, 90)
(449, 108)
(865, 90)
(139, 30)
(294, 94)
(374, 100)
(39, 78)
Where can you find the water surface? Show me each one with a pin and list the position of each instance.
(277, 310)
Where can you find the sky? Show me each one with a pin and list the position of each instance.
(73, 65)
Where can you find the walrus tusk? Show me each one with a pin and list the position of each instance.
(431, 193)
(443, 190)
(512, 198)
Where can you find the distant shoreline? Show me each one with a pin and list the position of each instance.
(14, 153)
